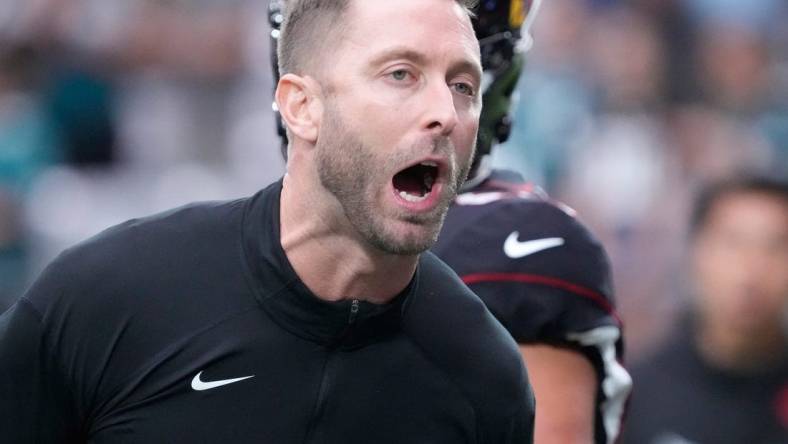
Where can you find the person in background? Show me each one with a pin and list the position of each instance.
(534, 264)
(722, 377)
(29, 143)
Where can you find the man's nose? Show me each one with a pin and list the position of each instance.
(440, 111)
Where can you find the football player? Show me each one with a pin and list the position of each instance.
(537, 268)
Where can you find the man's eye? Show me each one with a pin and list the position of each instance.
(464, 88)
(399, 74)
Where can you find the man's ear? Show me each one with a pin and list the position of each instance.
(300, 106)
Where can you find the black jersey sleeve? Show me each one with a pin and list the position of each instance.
(538, 269)
(553, 304)
(547, 279)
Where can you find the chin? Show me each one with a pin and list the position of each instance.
(407, 240)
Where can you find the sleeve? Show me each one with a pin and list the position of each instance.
(561, 296)
(35, 404)
(548, 294)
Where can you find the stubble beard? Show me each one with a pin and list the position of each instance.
(351, 171)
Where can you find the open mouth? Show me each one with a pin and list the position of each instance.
(414, 183)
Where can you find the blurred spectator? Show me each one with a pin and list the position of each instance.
(620, 167)
(737, 74)
(733, 67)
(557, 100)
(712, 144)
(676, 32)
(723, 375)
(28, 143)
(80, 106)
(621, 157)
(752, 13)
(170, 99)
(157, 81)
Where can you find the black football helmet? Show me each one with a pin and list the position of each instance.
(503, 29)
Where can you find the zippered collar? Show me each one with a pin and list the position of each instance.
(282, 294)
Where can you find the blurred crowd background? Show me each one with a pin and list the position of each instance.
(113, 109)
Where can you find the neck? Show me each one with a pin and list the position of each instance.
(327, 253)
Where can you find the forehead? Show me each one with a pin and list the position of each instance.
(432, 27)
(752, 211)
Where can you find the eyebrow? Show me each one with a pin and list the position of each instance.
(420, 58)
(399, 53)
(468, 66)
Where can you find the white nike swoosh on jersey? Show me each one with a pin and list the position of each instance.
(516, 249)
(200, 385)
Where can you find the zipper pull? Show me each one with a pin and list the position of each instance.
(353, 311)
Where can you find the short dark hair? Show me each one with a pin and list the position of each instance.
(310, 25)
(713, 193)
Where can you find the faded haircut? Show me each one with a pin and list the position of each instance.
(310, 27)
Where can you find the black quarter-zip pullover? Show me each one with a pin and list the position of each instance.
(191, 326)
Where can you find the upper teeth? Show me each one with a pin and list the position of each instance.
(429, 163)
